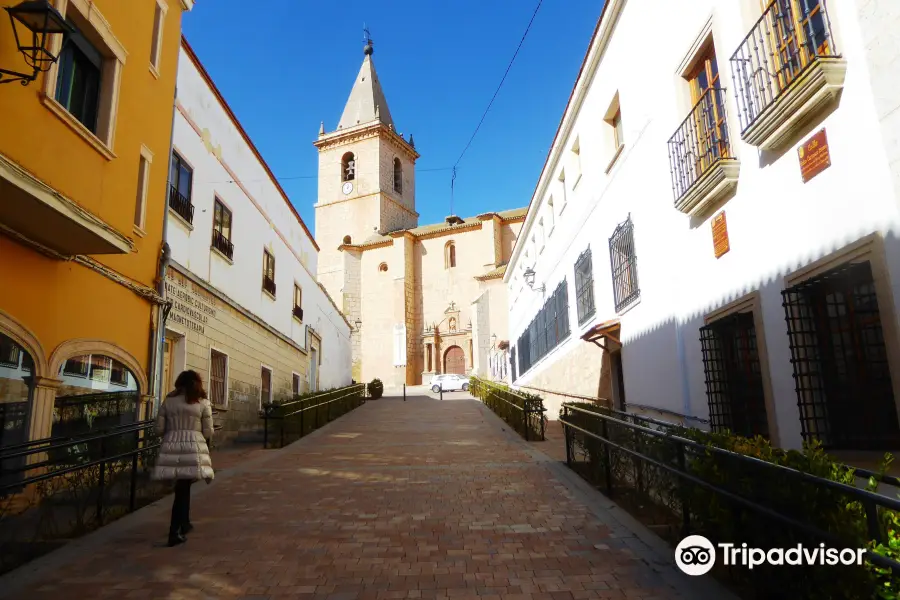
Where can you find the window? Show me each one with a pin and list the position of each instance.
(624, 265)
(709, 114)
(551, 213)
(268, 283)
(449, 255)
(181, 179)
(618, 134)
(348, 167)
(548, 329)
(159, 20)
(841, 370)
(562, 185)
(541, 235)
(584, 286)
(265, 390)
(101, 367)
(295, 385)
(140, 204)
(298, 302)
(398, 176)
(218, 378)
(78, 78)
(77, 366)
(382, 268)
(734, 386)
(576, 161)
(221, 235)
(119, 373)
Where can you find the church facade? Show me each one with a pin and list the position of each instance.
(422, 299)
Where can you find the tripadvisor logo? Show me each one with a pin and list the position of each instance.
(696, 555)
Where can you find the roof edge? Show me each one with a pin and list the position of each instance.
(215, 90)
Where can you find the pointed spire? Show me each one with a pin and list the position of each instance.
(412, 142)
(366, 102)
(322, 129)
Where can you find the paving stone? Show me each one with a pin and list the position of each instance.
(423, 499)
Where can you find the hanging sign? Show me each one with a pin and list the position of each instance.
(814, 156)
(720, 235)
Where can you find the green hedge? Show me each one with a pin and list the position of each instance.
(711, 514)
(376, 389)
(523, 412)
(289, 421)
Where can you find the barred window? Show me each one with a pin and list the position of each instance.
(623, 261)
(734, 386)
(584, 286)
(548, 329)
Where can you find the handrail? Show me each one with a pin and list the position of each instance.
(61, 438)
(131, 428)
(873, 556)
(277, 412)
(353, 393)
(283, 404)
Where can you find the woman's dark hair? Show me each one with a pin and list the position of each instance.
(190, 384)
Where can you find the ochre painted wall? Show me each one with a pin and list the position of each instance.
(59, 300)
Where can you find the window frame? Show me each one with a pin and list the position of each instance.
(271, 371)
(584, 287)
(348, 172)
(145, 160)
(398, 176)
(623, 266)
(214, 350)
(268, 260)
(450, 255)
(160, 11)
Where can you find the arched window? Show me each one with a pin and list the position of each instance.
(449, 255)
(346, 239)
(348, 167)
(382, 268)
(398, 176)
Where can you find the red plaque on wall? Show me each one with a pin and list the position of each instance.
(720, 235)
(814, 156)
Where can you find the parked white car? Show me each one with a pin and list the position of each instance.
(449, 383)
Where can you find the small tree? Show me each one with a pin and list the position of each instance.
(376, 389)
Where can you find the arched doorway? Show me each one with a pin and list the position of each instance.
(16, 372)
(455, 361)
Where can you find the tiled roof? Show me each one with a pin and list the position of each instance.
(492, 274)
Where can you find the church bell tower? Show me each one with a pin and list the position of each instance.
(367, 184)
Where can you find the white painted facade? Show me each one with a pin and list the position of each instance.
(226, 166)
(779, 227)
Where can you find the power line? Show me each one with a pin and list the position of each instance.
(491, 103)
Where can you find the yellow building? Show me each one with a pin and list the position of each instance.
(84, 160)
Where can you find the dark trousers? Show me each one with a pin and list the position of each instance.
(181, 507)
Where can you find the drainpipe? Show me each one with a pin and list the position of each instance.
(157, 336)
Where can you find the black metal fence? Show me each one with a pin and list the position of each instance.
(181, 205)
(287, 422)
(523, 412)
(681, 484)
(59, 488)
(84, 413)
(699, 142)
(790, 36)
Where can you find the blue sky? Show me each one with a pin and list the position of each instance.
(287, 66)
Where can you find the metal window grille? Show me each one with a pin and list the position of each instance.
(623, 262)
(790, 36)
(584, 286)
(734, 385)
(217, 376)
(181, 204)
(841, 371)
(77, 366)
(9, 352)
(548, 329)
(268, 273)
(512, 365)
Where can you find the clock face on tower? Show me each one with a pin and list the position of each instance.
(348, 187)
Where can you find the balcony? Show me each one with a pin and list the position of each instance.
(222, 243)
(787, 71)
(704, 170)
(33, 212)
(180, 205)
(298, 313)
(269, 285)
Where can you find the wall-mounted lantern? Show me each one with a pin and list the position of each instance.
(358, 324)
(41, 20)
(529, 279)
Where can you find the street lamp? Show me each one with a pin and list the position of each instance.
(41, 19)
(529, 279)
(358, 324)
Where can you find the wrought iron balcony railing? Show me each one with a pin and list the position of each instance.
(222, 244)
(700, 142)
(790, 36)
(269, 285)
(181, 205)
(298, 312)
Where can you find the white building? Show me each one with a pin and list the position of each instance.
(683, 221)
(248, 312)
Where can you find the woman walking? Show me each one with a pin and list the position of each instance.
(185, 424)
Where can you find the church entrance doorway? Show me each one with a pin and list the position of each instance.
(455, 361)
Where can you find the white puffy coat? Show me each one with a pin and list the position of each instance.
(184, 427)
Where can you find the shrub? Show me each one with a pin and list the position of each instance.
(376, 389)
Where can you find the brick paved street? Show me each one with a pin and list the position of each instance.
(422, 499)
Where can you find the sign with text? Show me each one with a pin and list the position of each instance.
(814, 156)
(192, 305)
(720, 235)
